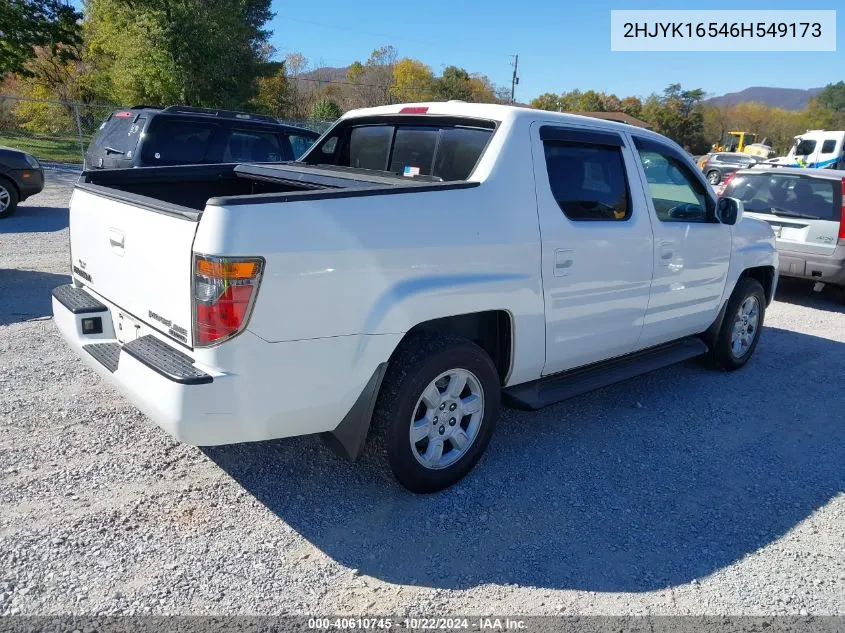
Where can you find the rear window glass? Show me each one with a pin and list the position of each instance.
(119, 134)
(445, 152)
(588, 182)
(767, 193)
(829, 146)
(174, 141)
(252, 147)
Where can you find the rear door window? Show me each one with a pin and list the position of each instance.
(817, 198)
(171, 141)
(829, 146)
(300, 144)
(251, 146)
(588, 182)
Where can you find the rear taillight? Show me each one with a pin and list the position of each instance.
(224, 291)
(842, 214)
(727, 180)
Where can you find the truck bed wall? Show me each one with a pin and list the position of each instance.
(185, 186)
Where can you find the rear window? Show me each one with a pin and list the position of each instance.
(444, 151)
(766, 193)
(175, 141)
(119, 133)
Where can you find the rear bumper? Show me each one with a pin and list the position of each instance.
(824, 268)
(267, 391)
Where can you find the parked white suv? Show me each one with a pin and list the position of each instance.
(420, 263)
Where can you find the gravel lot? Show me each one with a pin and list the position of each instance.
(686, 491)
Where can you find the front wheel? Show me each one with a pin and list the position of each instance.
(743, 323)
(437, 408)
(714, 177)
(8, 198)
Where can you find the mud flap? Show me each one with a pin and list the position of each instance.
(348, 438)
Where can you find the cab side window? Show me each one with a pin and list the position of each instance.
(677, 195)
(588, 180)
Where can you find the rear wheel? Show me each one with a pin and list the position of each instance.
(8, 198)
(436, 409)
(742, 325)
(714, 177)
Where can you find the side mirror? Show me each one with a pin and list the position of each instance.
(729, 211)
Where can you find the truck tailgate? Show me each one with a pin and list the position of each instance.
(135, 256)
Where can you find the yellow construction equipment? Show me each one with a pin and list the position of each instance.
(735, 142)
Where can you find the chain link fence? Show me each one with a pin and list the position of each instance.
(60, 131)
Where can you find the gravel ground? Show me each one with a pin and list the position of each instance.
(686, 491)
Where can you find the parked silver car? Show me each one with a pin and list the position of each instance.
(806, 209)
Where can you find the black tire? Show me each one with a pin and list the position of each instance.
(722, 354)
(8, 189)
(714, 177)
(416, 363)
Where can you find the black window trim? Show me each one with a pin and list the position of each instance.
(642, 143)
(580, 136)
(583, 142)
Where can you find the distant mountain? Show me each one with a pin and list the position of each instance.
(786, 98)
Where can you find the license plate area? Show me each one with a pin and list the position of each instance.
(126, 328)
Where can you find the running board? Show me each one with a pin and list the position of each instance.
(551, 389)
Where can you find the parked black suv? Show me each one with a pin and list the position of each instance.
(21, 176)
(144, 136)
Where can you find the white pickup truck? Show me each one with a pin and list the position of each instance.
(419, 265)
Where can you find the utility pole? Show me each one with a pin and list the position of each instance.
(515, 78)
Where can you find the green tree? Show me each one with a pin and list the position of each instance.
(546, 101)
(26, 25)
(833, 97)
(632, 106)
(326, 110)
(454, 83)
(179, 51)
(678, 114)
(274, 94)
(590, 101)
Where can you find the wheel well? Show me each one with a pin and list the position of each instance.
(5, 178)
(766, 276)
(491, 330)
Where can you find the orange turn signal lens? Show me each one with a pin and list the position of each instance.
(222, 269)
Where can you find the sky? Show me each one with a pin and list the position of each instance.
(562, 44)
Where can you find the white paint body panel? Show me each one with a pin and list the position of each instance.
(346, 278)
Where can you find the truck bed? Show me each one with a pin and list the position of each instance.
(185, 190)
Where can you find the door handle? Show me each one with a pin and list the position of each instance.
(666, 253)
(564, 258)
(117, 241)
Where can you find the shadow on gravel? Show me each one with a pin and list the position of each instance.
(26, 294)
(32, 219)
(801, 293)
(592, 494)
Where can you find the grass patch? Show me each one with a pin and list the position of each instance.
(59, 149)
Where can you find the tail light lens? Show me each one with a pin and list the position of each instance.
(224, 291)
(842, 214)
(727, 180)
